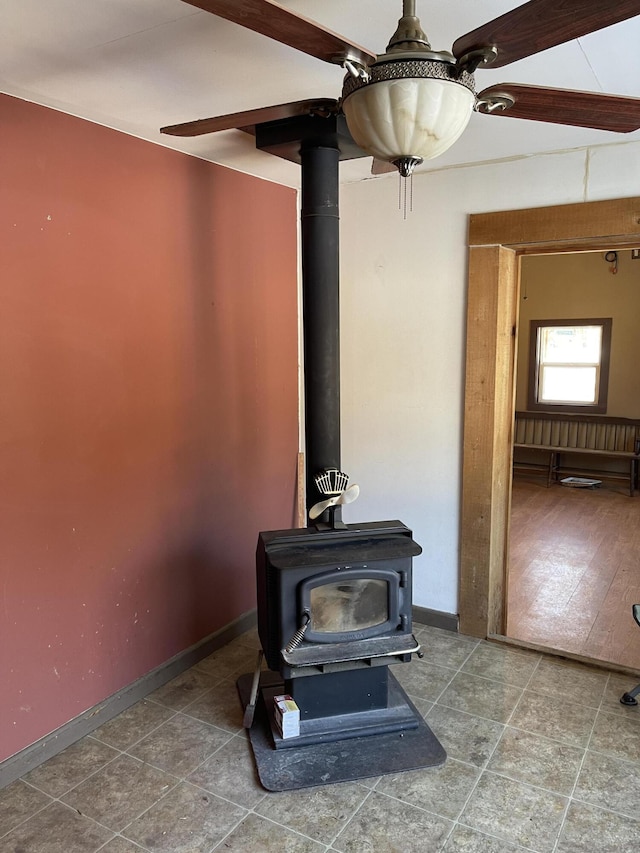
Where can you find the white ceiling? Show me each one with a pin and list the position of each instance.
(136, 65)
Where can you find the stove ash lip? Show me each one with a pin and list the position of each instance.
(334, 657)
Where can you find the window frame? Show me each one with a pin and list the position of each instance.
(600, 405)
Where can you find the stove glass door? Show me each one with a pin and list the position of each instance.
(349, 605)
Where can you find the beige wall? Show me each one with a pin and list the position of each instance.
(582, 286)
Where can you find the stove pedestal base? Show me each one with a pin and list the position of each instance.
(338, 760)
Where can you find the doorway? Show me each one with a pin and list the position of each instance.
(496, 243)
(574, 540)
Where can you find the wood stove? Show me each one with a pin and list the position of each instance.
(334, 601)
(334, 611)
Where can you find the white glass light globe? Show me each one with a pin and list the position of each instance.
(411, 117)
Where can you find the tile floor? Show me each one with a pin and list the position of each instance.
(542, 757)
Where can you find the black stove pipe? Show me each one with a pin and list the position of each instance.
(321, 313)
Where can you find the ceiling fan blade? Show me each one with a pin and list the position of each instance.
(248, 118)
(381, 167)
(284, 25)
(541, 24)
(563, 106)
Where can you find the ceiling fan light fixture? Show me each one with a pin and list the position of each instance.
(409, 109)
(413, 104)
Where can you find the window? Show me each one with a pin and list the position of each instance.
(569, 365)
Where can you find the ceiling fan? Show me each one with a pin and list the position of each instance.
(412, 103)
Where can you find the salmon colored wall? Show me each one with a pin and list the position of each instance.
(148, 406)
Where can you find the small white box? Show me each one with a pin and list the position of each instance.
(287, 716)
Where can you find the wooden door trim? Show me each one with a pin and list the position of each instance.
(496, 240)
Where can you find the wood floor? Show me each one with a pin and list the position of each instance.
(574, 570)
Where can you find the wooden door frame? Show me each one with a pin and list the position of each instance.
(496, 242)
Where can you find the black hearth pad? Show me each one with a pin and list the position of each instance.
(340, 761)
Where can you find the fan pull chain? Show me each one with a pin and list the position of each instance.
(402, 195)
